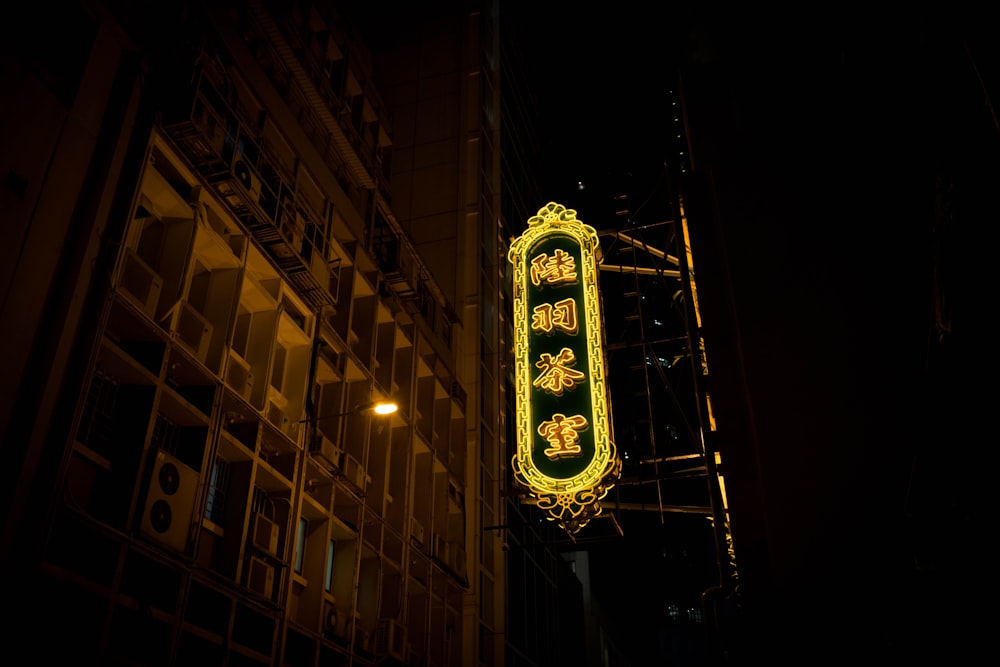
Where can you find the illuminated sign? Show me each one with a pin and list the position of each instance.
(565, 456)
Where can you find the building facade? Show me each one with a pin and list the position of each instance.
(220, 254)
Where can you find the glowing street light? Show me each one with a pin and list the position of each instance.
(383, 407)
(380, 408)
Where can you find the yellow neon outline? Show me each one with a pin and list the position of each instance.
(556, 219)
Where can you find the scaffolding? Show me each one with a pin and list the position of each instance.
(658, 385)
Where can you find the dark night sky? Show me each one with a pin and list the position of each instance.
(601, 81)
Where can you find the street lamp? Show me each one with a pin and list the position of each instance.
(373, 407)
(382, 407)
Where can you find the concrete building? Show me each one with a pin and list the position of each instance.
(220, 251)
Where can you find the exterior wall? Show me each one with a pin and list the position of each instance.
(208, 489)
(437, 69)
(65, 129)
(211, 253)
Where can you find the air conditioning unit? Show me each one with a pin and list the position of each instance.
(355, 473)
(276, 415)
(192, 329)
(248, 178)
(170, 501)
(390, 639)
(326, 452)
(417, 531)
(291, 228)
(260, 577)
(330, 617)
(264, 533)
(238, 375)
(258, 192)
(140, 283)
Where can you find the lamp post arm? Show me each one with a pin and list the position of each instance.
(380, 408)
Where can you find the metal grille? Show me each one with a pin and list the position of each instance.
(216, 505)
(97, 423)
(166, 435)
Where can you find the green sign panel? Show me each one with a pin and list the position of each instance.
(565, 456)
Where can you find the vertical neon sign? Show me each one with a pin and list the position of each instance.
(565, 455)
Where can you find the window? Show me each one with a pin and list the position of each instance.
(219, 480)
(166, 434)
(278, 370)
(241, 331)
(97, 423)
(328, 582)
(300, 544)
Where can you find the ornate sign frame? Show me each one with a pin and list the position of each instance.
(565, 455)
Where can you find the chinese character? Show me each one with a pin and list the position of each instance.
(563, 434)
(560, 315)
(560, 268)
(556, 374)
